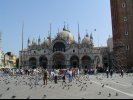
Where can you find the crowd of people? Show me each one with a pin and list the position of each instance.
(54, 75)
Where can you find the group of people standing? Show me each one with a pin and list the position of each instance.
(111, 73)
(55, 74)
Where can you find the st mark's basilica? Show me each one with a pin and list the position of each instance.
(61, 52)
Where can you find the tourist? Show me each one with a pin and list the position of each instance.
(122, 73)
(107, 73)
(56, 72)
(77, 74)
(52, 74)
(45, 76)
(70, 75)
(73, 73)
(64, 76)
(111, 73)
(36, 71)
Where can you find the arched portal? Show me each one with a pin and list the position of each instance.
(33, 62)
(58, 60)
(86, 62)
(59, 46)
(97, 61)
(43, 62)
(74, 61)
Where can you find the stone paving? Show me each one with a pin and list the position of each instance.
(90, 87)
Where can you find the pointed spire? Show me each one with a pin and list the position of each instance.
(87, 35)
(58, 30)
(64, 29)
(39, 40)
(78, 35)
(49, 37)
(91, 37)
(29, 41)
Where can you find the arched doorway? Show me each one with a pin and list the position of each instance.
(86, 62)
(32, 62)
(74, 61)
(97, 61)
(59, 61)
(43, 62)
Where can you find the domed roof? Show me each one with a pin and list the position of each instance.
(66, 35)
(86, 40)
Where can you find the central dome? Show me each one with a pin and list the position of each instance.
(66, 35)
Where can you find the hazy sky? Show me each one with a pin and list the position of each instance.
(38, 14)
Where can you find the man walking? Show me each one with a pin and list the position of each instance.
(45, 76)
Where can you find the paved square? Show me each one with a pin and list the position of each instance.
(92, 87)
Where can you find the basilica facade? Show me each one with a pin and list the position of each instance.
(61, 52)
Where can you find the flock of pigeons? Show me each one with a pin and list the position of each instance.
(82, 84)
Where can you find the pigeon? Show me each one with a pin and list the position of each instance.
(44, 96)
(28, 97)
(31, 87)
(50, 87)
(116, 94)
(99, 93)
(81, 88)
(103, 85)
(109, 95)
(7, 88)
(13, 97)
(84, 83)
(79, 85)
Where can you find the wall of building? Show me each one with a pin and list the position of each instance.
(122, 22)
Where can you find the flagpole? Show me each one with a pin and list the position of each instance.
(22, 47)
(78, 39)
(78, 43)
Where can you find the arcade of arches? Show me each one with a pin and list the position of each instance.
(59, 61)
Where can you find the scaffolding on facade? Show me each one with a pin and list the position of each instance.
(119, 57)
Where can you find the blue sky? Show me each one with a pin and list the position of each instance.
(38, 14)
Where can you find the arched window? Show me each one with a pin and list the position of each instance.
(59, 46)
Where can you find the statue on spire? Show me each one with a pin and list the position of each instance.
(91, 37)
(29, 42)
(39, 40)
(64, 29)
